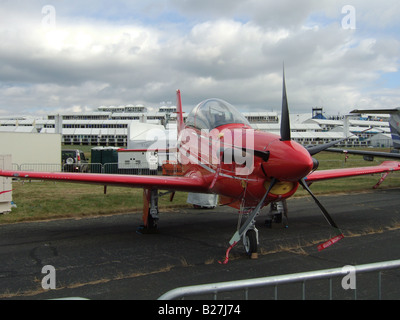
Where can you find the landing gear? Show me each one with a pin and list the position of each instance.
(248, 232)
(150, 211)
(276, 213)
(152, 222)
(250, 242)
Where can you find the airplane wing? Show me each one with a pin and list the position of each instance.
(193, 183)
(385, 167)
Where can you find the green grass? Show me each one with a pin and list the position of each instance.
(329, 160)
(41, 200)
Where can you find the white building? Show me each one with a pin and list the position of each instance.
(109, 126)
(29, 149)
(381, 140)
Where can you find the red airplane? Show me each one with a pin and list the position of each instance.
(220, 153)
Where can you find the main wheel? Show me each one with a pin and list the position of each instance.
(151, 226)
(250, 243)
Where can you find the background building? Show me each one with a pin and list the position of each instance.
(30, 150)
(109, 126)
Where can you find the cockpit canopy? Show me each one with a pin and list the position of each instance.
(212, 113)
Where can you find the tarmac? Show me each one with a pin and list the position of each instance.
(105, 258)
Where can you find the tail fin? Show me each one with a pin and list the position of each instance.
(394, 122)
(179, 111)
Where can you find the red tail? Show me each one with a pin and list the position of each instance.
(179, 117)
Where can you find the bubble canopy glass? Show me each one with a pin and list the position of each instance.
(212, 113)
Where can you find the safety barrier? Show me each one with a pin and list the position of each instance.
(47, 167)
(107, 168)
(346, 273)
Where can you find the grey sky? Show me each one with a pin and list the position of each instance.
(129, 52)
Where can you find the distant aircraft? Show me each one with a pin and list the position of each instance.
(221, 153)
(394, 124)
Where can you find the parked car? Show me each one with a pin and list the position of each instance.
(74, 160)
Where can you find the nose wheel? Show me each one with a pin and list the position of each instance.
(248, 232)
(250, 243)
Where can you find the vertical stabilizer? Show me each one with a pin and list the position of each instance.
(394, 122)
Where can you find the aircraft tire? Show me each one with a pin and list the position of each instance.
(251, 242)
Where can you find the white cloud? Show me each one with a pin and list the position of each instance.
(116, 53)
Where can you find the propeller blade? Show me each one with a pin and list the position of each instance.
(327, 217)
(285, 121)
(324, 211)
(257, 208)
(316, 149)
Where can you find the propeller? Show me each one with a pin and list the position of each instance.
(286, 136)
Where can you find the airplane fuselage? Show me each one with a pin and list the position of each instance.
(239, 162)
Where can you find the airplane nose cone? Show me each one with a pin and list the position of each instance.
(288, 161)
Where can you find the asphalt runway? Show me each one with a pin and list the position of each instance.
(105, 258)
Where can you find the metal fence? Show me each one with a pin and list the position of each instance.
(305, 278)
(107, 168)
